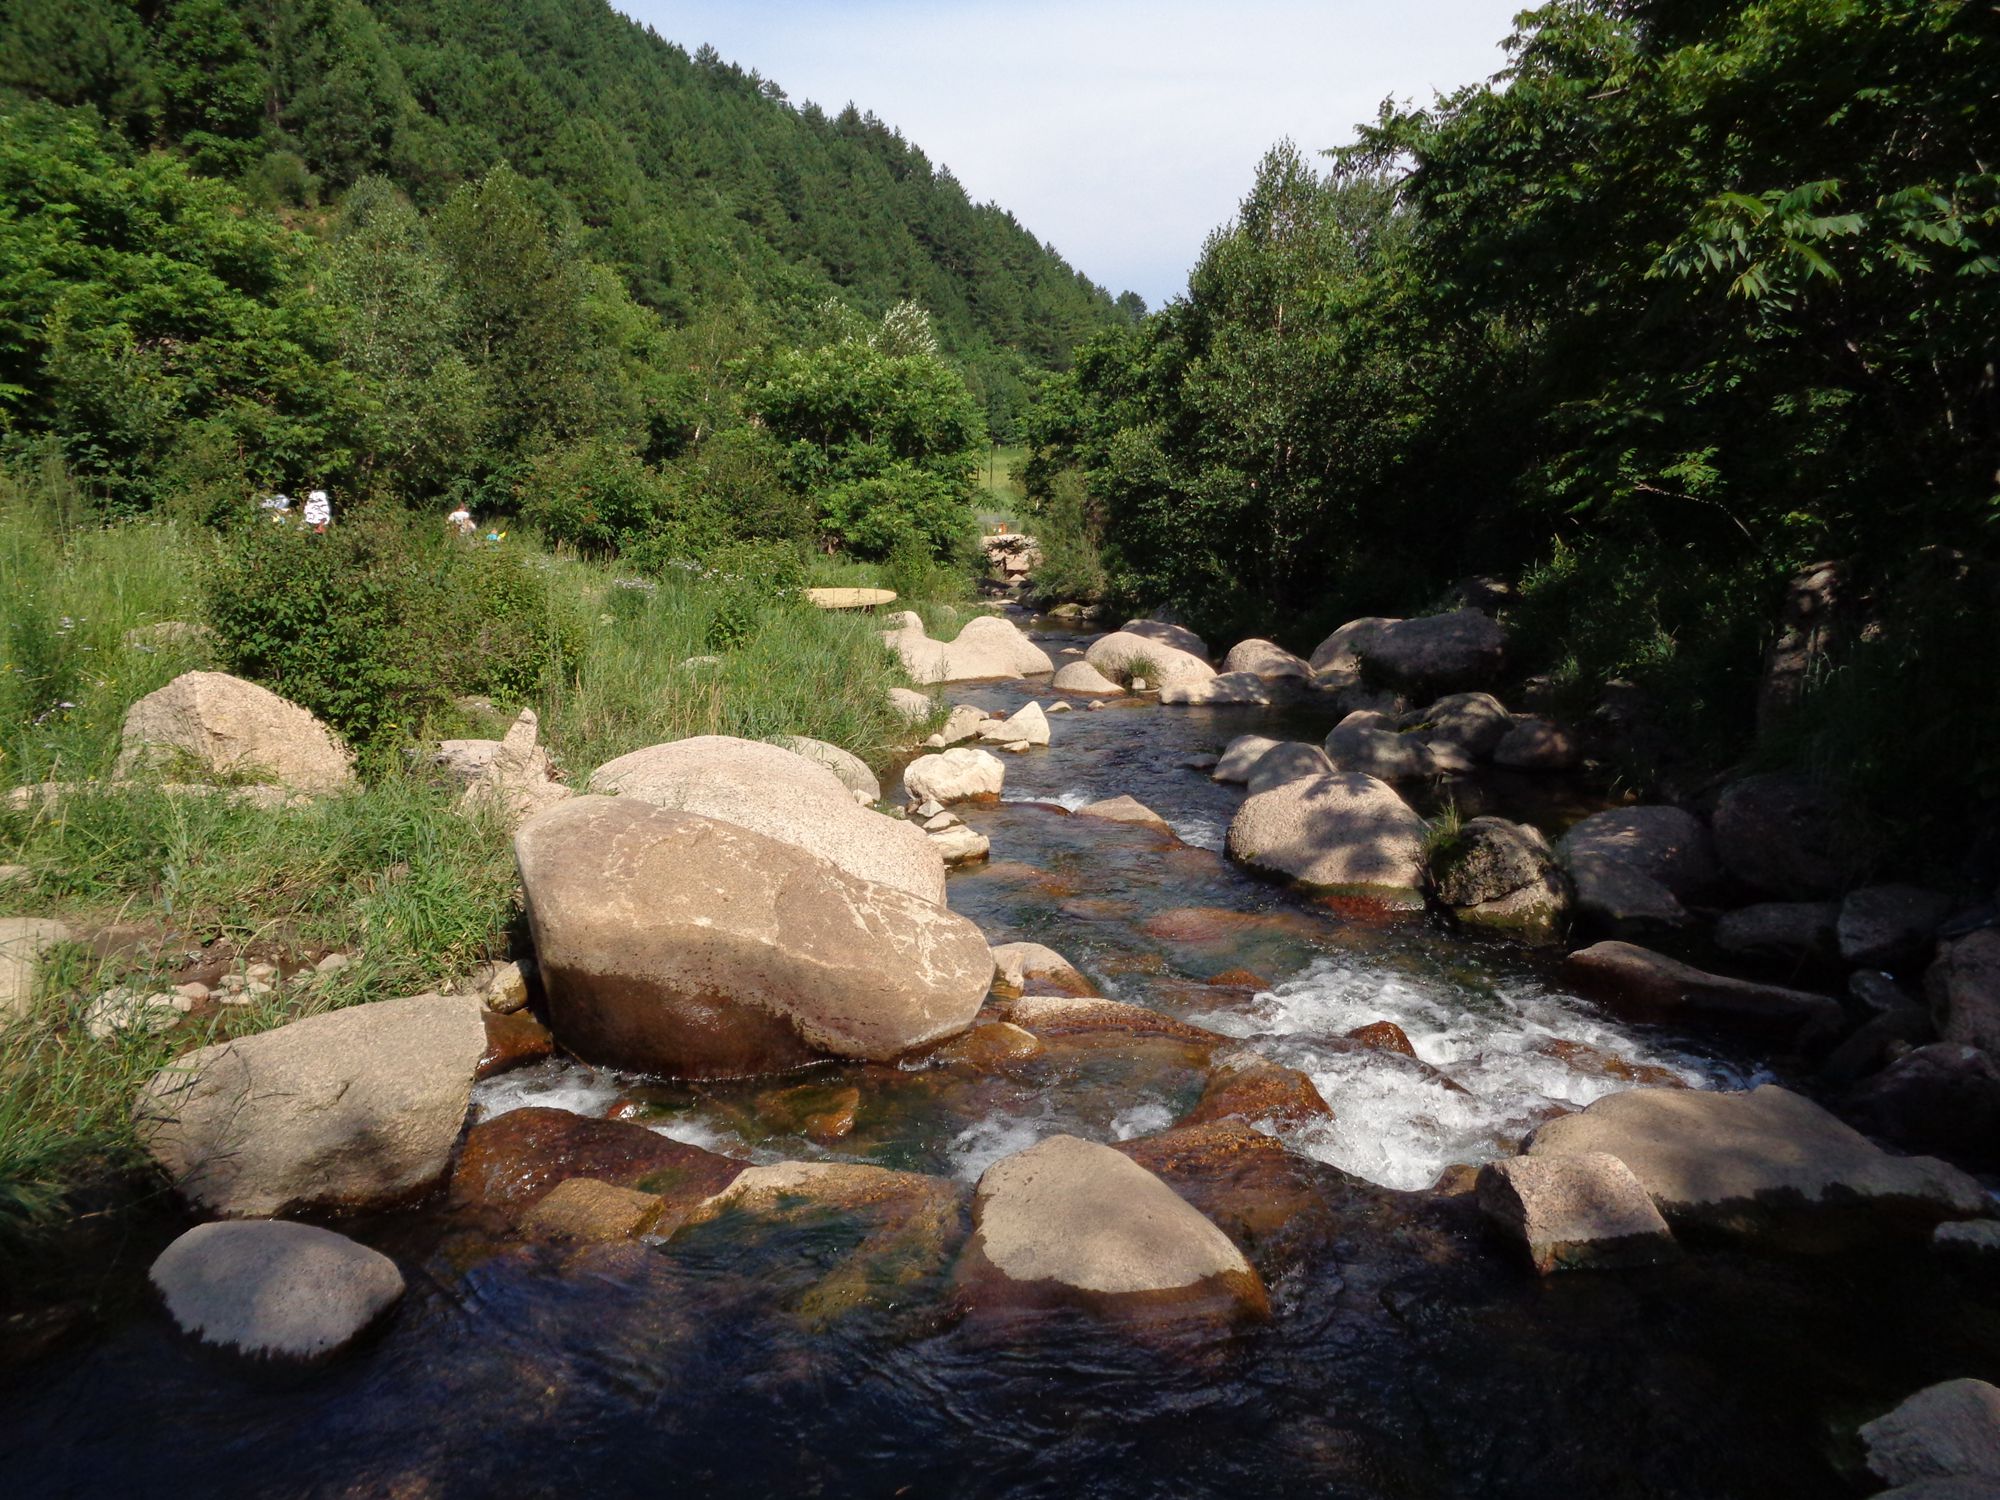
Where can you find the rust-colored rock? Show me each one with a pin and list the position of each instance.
(1245, 1182)
(1249, 1087)
(1595, 1060)
(1061, 1015)
(513, 1040)
(1383, 1036)
(510, 1163)
(588, 1211)
(823, 1112)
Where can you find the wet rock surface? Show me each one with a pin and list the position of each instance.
(274, 1290)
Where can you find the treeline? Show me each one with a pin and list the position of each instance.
(504, 254)
(1696, 293)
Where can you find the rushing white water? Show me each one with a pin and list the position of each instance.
(1399, 1124)
(1189, 828)
(591, 1091)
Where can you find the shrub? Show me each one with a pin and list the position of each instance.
(592, 495)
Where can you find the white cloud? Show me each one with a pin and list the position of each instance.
(1121, 132)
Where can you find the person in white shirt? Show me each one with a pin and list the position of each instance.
(461, 519)
(319, 510)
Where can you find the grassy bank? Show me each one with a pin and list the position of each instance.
(153, 886)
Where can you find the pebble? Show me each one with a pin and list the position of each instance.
(194, 992)
(265, 973)
(333, 963)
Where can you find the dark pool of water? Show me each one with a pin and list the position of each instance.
(1410, 1355)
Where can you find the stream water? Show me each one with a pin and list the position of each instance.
(1409, 1355)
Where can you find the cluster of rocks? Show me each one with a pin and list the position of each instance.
(1011, 557)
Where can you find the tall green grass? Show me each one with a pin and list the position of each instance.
(392, 874)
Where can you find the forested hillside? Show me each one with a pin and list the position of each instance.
(1698, 293)
(510, 253)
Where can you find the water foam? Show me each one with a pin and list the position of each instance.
(1399, 1124)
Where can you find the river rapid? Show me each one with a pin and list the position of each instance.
(1409, 1353)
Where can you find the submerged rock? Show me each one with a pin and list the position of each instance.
(1265, 1197)
(1945, 1431)
(230, 727)
(1343, 833)
(1247, 1086)
(1071, 1221)
(1124, 810)
(681, 945)
(1762, 1162)
(1574, 1211)
(1650, 986)
(354, 1109)
(587, 1211)
(272, 1289)
(781, 795)
(1064, 1015)
(513, 1161)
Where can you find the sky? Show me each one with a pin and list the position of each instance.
(1120, 132)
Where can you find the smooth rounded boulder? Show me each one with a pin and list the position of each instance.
(986, 647)
(1293, 760)
(354, 1109)
(1343, 833)
(782, 795)
(1502, 875)
(1343, 650)
(1262, 658)
(274, 1290)
(1782, 834)
(1475, 722)
(851, 770)
(678, 944)
(230, 727)
(1168, 634)
(1123, 655)
(958, 775)
(1761, 1162)
(1436, 653)
(1070, 1221)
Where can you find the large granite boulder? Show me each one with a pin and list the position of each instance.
(986, 647)
(233, 728)
(1649, 986)
(1071, 1221)
(1761, 1162)
(1502, 875)
(1124, 655)
(1963, 988)
(1475, 722)
(1380, 753)
(276, 1290)
(678, 944)
(958, 775)
(1437, 653)
(1537, 745)
(850, 769)
(517, 780)
(1885, 926)
(1786, 931)
(1027, 725)
(1293, 760)
(1781, 834)
(1166, 633)
(1231, 690)
(1944, 1097)
(781, 795)
(1946, 1431)
(1344, 649)
(354, 1109)
(1342, 833)
(1263, 658)
(1633, 866)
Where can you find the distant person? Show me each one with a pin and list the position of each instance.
(319, 510)
(277, 506)
(461, 521)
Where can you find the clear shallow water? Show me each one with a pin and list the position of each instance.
(1410, 1355)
